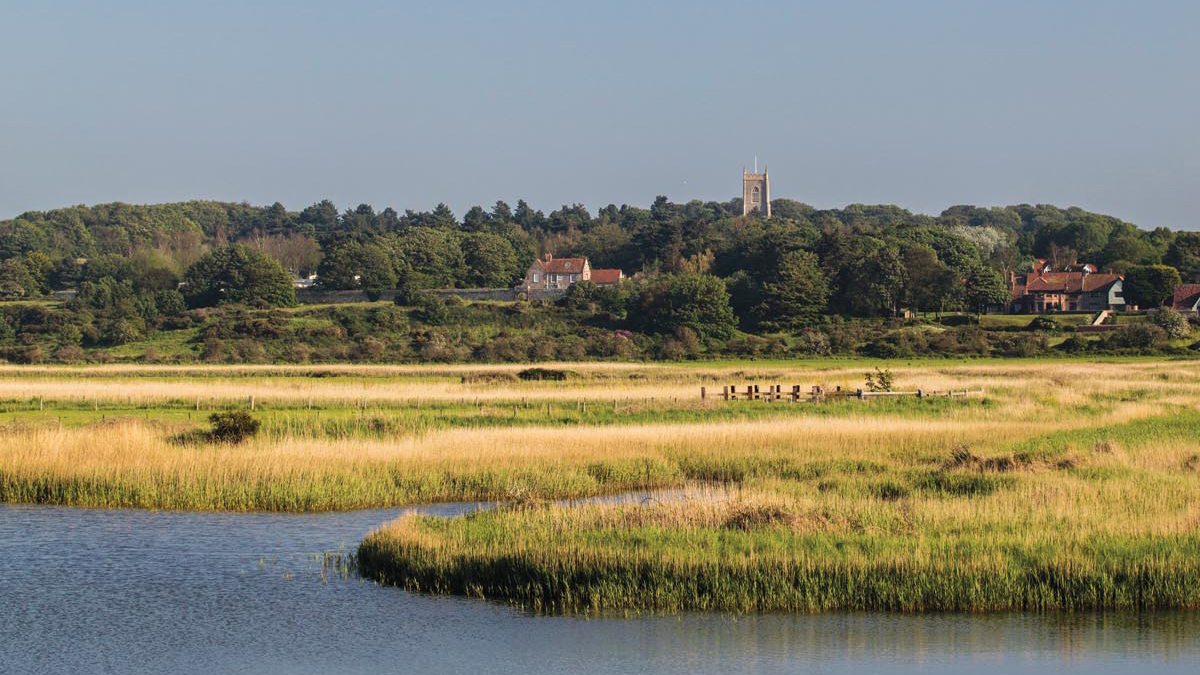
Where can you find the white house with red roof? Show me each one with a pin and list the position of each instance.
(550, 273)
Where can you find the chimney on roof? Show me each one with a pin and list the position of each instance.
(549, 256)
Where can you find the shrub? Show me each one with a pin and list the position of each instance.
(1172, 322)
(746, 345)
(408, 295)
(232, 427)
(1044, 323)
(880, 380)
(1138, 336)
(431, 310)
(571, 348)
(544, 374)
(956, 320)
(370, 349)
(300, 352)
(250, 351)
(69, 354)
(813, 342)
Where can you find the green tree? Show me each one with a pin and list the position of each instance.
(698, 302)
(876, 281)
(1150, 286)
(476, 220)
(1184, 255)
(489, 259)
(434, 257)
(376, 272)
(339, 268)
(15, 280)
(237, 274)
(797, 290)
(928, 283)
(984, 286)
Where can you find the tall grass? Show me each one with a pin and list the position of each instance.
(131, 463)
(80, 441)
(1070, 486)
(1108, 521)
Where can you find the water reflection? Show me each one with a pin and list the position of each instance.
(144, 592)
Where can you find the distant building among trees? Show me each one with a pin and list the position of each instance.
(756, 193)
(1073, 287)
(550, 273)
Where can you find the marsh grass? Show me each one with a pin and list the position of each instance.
(1118, 527)
(1070, 485)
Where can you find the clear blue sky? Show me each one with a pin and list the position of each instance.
(920, 103)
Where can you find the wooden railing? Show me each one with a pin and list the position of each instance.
(776, 392)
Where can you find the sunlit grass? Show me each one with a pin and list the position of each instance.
(1066, 485)
(1103, 518)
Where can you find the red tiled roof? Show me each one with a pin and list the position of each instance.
(1186, 296)
(1062, 282)
(606, 276)
(563, 265)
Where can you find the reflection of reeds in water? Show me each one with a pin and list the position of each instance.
(339, 565)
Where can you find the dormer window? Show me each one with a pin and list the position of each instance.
(567, 265)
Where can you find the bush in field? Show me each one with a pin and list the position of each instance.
(1044, 323)
(1075, 344)
(431, 310)
(1138, 336)
(1172, 322)
(232, 427)
(536, 374)
(880, 380)
(408, 295)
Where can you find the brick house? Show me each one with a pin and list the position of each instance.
(1187, 298)
(1080, 290)
(550, 273)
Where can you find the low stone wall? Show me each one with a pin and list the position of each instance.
(499, 293)
(477, 293)
(312, 296)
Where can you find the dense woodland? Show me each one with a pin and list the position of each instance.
(705, 280)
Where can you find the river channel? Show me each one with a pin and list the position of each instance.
(128, 591)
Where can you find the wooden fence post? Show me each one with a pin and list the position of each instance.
(703, 393)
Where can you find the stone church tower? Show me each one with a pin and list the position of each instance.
(756, 193)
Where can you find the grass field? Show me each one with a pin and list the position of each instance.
(1067, 485)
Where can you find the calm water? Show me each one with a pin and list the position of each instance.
(93, 591)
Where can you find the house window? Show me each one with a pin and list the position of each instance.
(535, 277)
(755, 197)
(567, 265)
